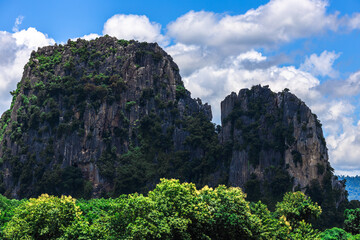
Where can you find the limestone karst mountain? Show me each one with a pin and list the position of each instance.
(277, 143)
(109, 112)
(108, 116)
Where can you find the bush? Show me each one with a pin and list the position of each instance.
(179, 211)
(123, 42)
(352, 221)
(7, 210)
(180, 91)
(296, 207)
(129, 105)
(335, 234)
(46, 217)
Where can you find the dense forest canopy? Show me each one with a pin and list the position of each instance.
(173, 210)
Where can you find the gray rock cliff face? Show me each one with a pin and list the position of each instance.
(274, 130)
(77, 101)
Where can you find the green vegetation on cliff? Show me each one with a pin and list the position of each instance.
(103, 118)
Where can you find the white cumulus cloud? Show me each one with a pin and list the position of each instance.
(88, 37)
(343, 88)
(321, 65)
(15, 49)
(134, 27)
(354, 21)
(278, 21)
(345, 147)
(190, 58)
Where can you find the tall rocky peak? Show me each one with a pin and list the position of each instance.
(99, 116)
(278, 145)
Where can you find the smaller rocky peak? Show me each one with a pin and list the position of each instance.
(227, 106)
(271, 134)
(245, 96)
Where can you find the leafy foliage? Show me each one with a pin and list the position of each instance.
(297, 207)
(46, 217)
(7, 210)
(173, 210)
(68, 180)
(352, 221)
(180, 91)
(327, 197)
(337, 234)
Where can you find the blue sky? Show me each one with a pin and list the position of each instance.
(68, 19)
(309, 46)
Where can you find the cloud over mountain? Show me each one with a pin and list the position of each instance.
(134, 27)
(15, 49)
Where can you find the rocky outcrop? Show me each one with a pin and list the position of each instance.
(277, 141)
(270, 130)
(82, 105)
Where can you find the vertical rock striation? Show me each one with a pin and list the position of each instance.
(83, 105)
(278, 146)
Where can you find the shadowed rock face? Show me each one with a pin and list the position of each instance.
(78, 102)
(274, 130)
(107, 116)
